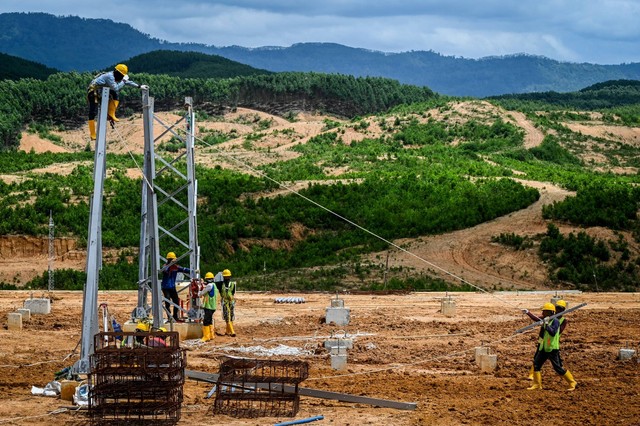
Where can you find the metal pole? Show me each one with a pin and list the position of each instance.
(151, 210)
(94, 244)
(565, 312)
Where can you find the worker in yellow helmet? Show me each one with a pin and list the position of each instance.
(210, 303)
(169, 275)
(227, 290)
(115, 80)
(549, 348)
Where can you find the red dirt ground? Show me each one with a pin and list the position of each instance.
(414, 354)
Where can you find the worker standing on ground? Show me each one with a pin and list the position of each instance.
(210, 293)
(115, 80)
(227, 291)
(549, 349)
(169, 274)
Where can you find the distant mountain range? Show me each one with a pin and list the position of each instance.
(74, 43)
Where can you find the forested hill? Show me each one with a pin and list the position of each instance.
(14, 68)
(189, 65)
(61, 42)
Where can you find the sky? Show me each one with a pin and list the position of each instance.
(594, 31)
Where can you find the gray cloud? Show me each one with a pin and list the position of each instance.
(598, 31)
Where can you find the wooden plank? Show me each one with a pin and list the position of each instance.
(313, 393)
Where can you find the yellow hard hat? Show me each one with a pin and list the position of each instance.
(171, 255)
(164, 330)
(549, 307)
(561, 303)
(143, 326)
(226, 273)
(122, 69)
(208, 276)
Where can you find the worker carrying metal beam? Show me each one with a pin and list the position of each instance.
(227, 291)
(115, 80)
(549, 347)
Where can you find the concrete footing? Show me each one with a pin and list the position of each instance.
(481, 351)
(26, 314)
(448, 307)
(38, 306)
(186, 330)
(338, 316)
(14, 321)
(625, 354)
(488, 362)
(341, 344)
(339, 361)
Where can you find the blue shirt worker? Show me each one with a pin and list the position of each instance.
(549, 349)
(169, 274)
(115, 80)
(209, 304)
(227, 291)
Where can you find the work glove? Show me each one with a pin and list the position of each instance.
(144, 87)
(125, 78)
(546, 321)
(525, 311)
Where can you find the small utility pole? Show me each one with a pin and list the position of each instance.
(52, 253)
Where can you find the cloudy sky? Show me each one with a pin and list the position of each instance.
(595, 31)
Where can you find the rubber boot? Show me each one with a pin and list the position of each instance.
(230, 331)
(206, 333)
(92, 129)
(111, 112)
(537, 381)
(212, 332)
(531, 373)
(568, 377)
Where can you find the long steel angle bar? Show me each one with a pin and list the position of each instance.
(178, 225)
(314, 393)
(168, 127)
(173, 237)
(168, 165)
(171, 195)
(565, 312)
(94, 243)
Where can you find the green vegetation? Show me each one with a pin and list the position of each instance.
(61, 99)
(14, 68)
(189, 65)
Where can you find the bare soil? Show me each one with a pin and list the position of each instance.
(404, 350)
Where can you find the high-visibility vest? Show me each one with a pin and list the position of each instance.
(549, 342)
(211, 299)
(227, 291)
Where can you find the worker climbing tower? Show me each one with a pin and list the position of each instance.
(169, 185)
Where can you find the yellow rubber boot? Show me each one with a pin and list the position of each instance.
(531, 373)
(206, 333)
(537, 381)
(92, 129)
(111, 112)
(212, 332)
(230, 331)
(568, 377)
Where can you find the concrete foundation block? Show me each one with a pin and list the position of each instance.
(448, 308)
(338, 343)
(26, 314)
(625, 354)
(481, 351)
(38, 306)
(488, 362)
(337, 303)
(339, 362)
(339, 316)
(14, 321)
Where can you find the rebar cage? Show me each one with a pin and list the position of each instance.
(256, 388)
(135, 380)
